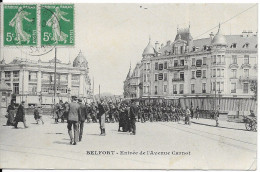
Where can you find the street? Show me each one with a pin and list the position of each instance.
(158, 145)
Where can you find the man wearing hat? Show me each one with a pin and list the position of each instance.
(73, 119)
(20, 115)
(82, 117)
(101, 117)
(132, 116)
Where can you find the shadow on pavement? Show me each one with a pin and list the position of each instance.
(62, 143)
(219, 126)
(54, 133)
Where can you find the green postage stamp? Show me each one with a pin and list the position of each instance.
(20, 25)
(57, 24)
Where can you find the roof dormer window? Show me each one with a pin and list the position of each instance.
(246, 45)
(234, 45)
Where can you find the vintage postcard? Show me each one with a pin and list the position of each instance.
(128, 86)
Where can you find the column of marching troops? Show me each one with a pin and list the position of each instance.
(102, 111)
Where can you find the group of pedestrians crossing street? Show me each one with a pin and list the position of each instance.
(125, 113)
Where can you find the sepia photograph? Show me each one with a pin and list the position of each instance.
(169, 86)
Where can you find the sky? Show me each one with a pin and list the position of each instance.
(111, 36)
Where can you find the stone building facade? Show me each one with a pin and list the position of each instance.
(33, 81)
(213, 72)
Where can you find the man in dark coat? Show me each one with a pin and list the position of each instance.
(73, 119)
(82, 118)
(20, 116)
(132, 117)
(11, 113)
(102, 117)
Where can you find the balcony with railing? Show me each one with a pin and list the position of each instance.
(15, 79)
(7, 78)
(218, 64)
(247, 78)
(245, 65)
(75, 82)
(233, 65)
(177, 79)
(177, 67)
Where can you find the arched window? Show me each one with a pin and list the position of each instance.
(233, 45)
(246, 45)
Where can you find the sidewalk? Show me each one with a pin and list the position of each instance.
(222, 124)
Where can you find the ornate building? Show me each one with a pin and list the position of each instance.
(33, 81)
(211, 72)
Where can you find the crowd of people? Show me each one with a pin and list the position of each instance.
(126, 113)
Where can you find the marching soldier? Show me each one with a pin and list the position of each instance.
(102, 117)
(20, 115)
(133, 113)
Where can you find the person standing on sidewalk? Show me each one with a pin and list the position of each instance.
(82, 118)
(187, 121)
(73, 119)
(216, 117)
(20, 115)
(132, 117)
(197, 113)
(10, 114)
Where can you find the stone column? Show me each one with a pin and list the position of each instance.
(82, 84)
(11, 81)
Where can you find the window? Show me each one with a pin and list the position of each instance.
(246, 59)
(193, 62)
(32, 76)
(234, 59)
(204, 73)
(182, 76)
(234, 73)
(174, 89)
(182, 63)
(165, 88)
(182, 50)
(246, 72)
(213, 86)
(214, 59)
(219, 59)
(218, 72)
(148, 66)
(218, 86)
(160, 77)
(246, 45)
(16, 88)
(156, 66)
(222, 86)
(7, 74)
(155, 77)
(165, 76)
(155, 90)
(203, 87)
(161, 66)
(245, 88)
(198, 73)
(148, 89)
(165, 65)
(148, 77)
(175, 75)
(214, 72)
(198, 63)
(175, 62)
(181, 88)
(144, 78)
(204, 60)
(222, 72)
(192, 88)
(233, 87)
(32, 88)
(74, 91)
(16, 74)
(193, 75)
(234, 45)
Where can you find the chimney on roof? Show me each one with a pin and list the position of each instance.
(249, 33)
(211, 36)
(157, 46)
(244, 34)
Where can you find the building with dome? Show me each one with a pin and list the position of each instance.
(33, 81)
(213, 72)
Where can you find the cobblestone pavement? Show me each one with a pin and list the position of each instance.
(203, 146)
